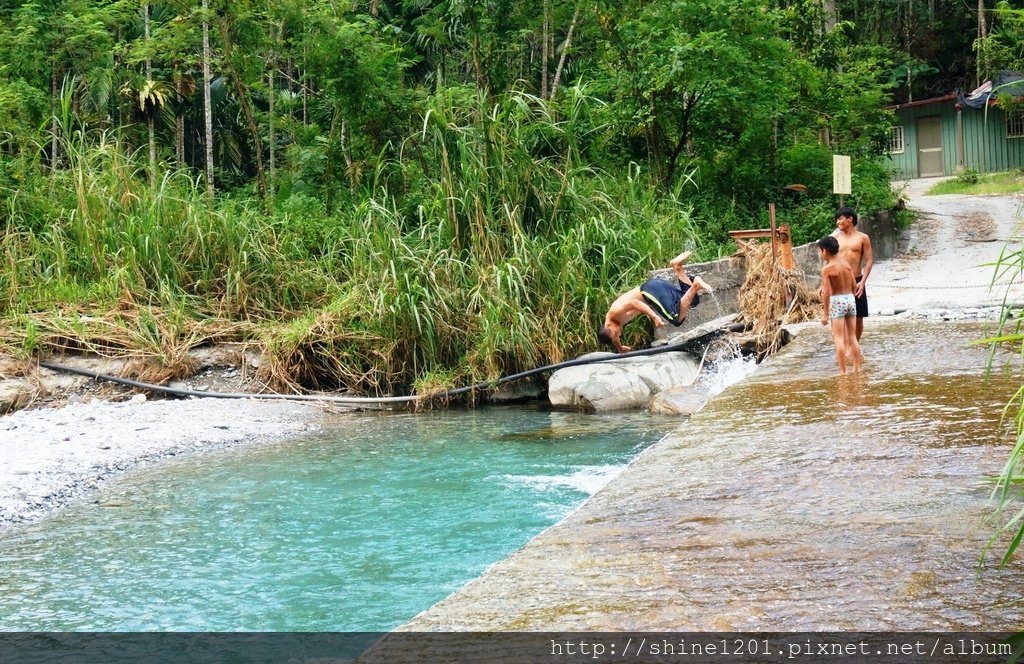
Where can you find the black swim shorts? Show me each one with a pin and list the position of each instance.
(664, 297)
(862, 301)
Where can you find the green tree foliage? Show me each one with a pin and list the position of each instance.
(938, 34)
(691, 77)
(1003, 48)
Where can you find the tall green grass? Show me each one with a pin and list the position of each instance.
(487, 247)
(1008, 513)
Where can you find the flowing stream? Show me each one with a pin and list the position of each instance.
(796, 500)
(355, 529)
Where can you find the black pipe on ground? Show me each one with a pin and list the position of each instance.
(173, 391)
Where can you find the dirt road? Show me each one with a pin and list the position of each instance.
(949, 254)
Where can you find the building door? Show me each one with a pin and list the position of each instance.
(929, 147)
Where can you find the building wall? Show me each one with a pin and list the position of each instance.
(905, 164)
(986, 147)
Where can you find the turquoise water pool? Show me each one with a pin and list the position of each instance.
(357, 528)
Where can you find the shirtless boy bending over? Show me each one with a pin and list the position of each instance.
(837, 287)
(662, 301)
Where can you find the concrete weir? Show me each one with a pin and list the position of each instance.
(726, 275)
(795, 500)
(647, 382)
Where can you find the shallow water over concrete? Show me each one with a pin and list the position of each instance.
(796, 500)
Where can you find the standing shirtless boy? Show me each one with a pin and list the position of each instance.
(837, 286)
(855, 249)
(662, 301)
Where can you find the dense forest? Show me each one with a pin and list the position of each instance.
(401, 195)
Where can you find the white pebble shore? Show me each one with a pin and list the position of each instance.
(52, 456)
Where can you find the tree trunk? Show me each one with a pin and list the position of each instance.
(907, 19)
(982, 34)
(565, 52)
(146, 8)
(271, 94)
(246, 105)
(830, 15)
(478, 72)
(302, 75)
(270, 122)
(349, 171)
(544, 55)
(207, 103)
(54, 128)
(179, 120)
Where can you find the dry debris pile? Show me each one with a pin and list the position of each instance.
(771, 297)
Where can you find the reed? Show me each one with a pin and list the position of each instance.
(1008, 512)
(487, 247)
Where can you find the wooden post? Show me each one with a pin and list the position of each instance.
(780, 237)
(775, 245)
(785, 238)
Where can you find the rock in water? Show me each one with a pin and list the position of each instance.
(685, 401)
(620, 384)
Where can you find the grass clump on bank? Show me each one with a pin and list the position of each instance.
(484, 244)
(972, 182)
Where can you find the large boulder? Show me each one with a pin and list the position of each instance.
(620, 384)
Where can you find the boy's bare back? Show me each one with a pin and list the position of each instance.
(840, 277)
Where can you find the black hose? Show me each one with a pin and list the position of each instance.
(562, 365)
(361, 400)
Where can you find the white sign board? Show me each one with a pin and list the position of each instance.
(841, 174)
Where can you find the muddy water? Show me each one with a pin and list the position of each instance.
(796, 500)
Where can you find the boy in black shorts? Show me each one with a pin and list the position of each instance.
(662, 301)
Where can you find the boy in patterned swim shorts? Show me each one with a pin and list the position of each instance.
(837, 284)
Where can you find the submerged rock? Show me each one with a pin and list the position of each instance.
(685, 401)
(620, 384)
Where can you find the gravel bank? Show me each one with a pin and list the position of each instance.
(52, 456)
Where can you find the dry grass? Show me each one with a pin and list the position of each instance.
(771, 297)
(321, 346)
(155, 343)
(12, 367)
(27, 370)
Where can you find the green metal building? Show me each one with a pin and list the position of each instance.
(945, 135)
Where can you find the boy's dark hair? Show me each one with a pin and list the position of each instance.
(604, 336)
(829, 244)
(847, 212)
